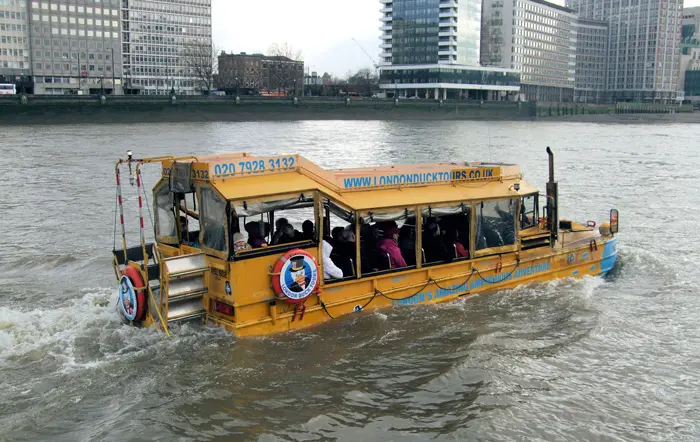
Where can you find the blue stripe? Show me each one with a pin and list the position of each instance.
(609, 256)
(575, 272)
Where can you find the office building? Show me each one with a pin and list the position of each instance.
(431, 48)
(536, 38)
(591, 61)
(644, 46)
(260, 73)
(75, 47)
(155, 35)
(14, 41)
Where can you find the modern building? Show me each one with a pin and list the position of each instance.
(689, 75)
(156, 35)
(75, 47)
(262, 73)
(644, 46)
(536, 38)
(14, 42)
(591, 61)
(431, 48)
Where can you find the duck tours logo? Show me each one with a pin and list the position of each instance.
(299, 276)
(127, 298)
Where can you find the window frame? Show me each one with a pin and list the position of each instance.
(224, 255)
(166, 239)
(494, 250)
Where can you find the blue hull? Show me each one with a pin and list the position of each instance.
(609, 256)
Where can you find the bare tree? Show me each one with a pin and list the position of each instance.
(285, 67)
(285, 50)
(200, 59)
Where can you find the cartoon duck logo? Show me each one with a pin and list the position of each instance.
(300, 276)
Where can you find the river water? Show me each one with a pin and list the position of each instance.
(612, 358)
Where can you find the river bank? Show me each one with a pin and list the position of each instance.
(29, 110)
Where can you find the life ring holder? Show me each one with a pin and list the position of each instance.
(133, 284)
(295, 278)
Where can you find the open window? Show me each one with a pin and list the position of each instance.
(529, 211)
(495, 226)
(212, 216)
(446, 233)
(339, 231)
(387, 240)
(189, 219)
(273, 225)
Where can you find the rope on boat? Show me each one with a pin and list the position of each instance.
(503, 278)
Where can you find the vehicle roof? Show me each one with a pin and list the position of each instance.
(358, 188)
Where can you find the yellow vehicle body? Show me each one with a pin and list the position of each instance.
(236, 290)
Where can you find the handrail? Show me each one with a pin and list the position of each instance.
(155, 304)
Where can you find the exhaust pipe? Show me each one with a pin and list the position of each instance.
(552, 200)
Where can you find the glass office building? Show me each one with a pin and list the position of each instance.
(422, 40)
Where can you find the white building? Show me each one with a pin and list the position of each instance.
(14, 40)
(155, 35)
(644, 46)
(432, 49)
(536, 38)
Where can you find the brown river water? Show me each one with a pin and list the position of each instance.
(596, 359)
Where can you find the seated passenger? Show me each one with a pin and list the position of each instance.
(336, 232)
(330, 270)
(240, 242)
(307, 230)
(433, 244)
(389, 245)
(453, 243)
(368, 247)
(255, 238)
(344, 252)
(279, 230)
(289, 235)
(407, 243)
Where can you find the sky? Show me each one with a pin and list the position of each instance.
(322, 29)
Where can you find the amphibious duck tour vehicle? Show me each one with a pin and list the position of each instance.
(259, 245)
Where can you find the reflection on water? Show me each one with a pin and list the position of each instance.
(592, 359)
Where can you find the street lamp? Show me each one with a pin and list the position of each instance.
(237, 87)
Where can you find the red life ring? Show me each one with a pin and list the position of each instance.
(295, 276)
(136, 280)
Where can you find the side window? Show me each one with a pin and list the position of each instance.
(165, 217)
(495, 223)
(213, 220)
(528, 212)
(445, 233)
(387, 241)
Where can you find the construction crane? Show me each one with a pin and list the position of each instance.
(374, 63)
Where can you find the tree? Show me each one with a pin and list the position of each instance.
(364, 77)
(285, 67)
(200, 60)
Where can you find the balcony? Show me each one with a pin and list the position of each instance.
(386, 27)
(385, 45)
(387, 9)
(448, 3)
(385, 55)
(447, 32)
(450, 51)
(386, 19)
(448, 13)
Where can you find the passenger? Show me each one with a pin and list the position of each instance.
(330, 270)
(454, 244)
(433, 244)
(389, 245)
(344, 252)
(307, 230)
(255, 239)
(183, 227)
(240, 242)
(289, 235)
(336, 232)
(407, 243)
(279, 227)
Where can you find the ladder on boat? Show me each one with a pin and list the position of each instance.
(183, 285)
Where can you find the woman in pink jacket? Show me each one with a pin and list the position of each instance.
(389, 245)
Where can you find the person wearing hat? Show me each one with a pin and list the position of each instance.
(240, 242)
(389, 245)
(298, 274)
